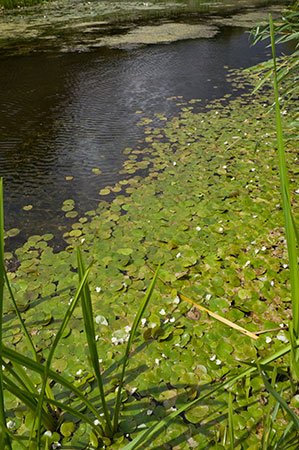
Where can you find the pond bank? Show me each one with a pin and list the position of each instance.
(209, 211)
(73, 25)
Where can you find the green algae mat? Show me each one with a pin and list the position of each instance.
(208, 210)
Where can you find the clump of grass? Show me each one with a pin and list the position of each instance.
(48, 412)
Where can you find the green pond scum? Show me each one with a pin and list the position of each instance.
(209, 212)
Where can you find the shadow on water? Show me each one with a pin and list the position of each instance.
(65, 114)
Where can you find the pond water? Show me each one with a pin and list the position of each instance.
(66, 114)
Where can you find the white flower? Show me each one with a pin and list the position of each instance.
(252, 242)
(79, 372)
(263, 248)
(283, 112)
(178, 255)
(220, 230)
(153, 325)
(282, 337)
(10, 424)
(174, 163)
(70, 302)
(232, 179)
(254, 216)
(149, 412)
(164, 356)
(246, 264)
(285, 266)
(133, 390)
(281, 325)
(172, 319)
(253, 169)
(297, 191)
(142, 425)
(268, 339)
(101, 320)
(198, 228)
(98, 289)
(166, 321)
(272, 283)
(114, 340)
(225, 143)
(128, 329)
(162, 312)
(256, 251)
(173, 408)
(223, 167)
(100, 361)
(56, 445)
(96, 422)
(218, 362)
(143, 322)
(157, 361)
(216, 112)
(208, 296)
(176, 300)
(96, 337)
(212, 358)
(82, 240)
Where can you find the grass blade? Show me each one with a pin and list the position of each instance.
(281, 401)
(90, 335)
(6, 440)
(286, 204)
(58, 336)
(230, 421)
(137, 319)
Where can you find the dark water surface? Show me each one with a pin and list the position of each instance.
(63, 115)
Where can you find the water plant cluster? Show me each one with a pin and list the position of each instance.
(209, 213)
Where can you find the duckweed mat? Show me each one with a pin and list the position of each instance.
(209, 211)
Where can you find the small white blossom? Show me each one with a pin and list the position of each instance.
(96, 337)
(96, 422)
(246, 264)
(101, 320)
(220, 230)
(166, 321)
(281, 325)
(142, 425)
(272, 283)
(56, 445)
(225, 143)
(98, 289)
(10, 424)
(232, 179)
(254, 216)
(208, 296)
(79, 372)
(285, 266)
(174, 163)
(163, 355)
(176, 300)
(218, 362)
(82, 240)
(100, 361)
(268, 339)
(114, 340)
(133, 390)
(263, 248)
(70, 302)
(143, 322)
(178, 255)
(153, 325)
(223, 167)
(162, 312)
(212, 358)
(172, 319)
(198, 228)
(128, 329)
(282, 337)
(256, 251)
(149, 412)
(297, 191)
(157, 361)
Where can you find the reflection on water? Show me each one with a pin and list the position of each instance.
(64, 115)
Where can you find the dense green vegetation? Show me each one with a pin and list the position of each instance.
(209, 212)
